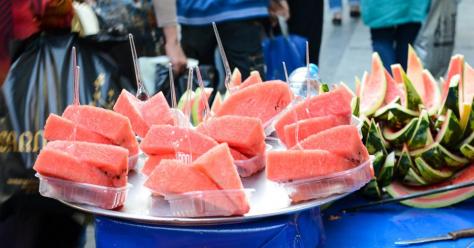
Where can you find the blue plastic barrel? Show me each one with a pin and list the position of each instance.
(302, 229)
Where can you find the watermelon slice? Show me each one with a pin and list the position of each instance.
(84, 162)
(393, 89)
(254, 78)
(332, 103)
(309, 127)
(216, 104)
(175, 177)
(242, 133)
(396, 189)
(59, 128)
(456, 66)
(468, 83)
(218, 164)
(199, 106)
(372, 91)
(183, 103)
(263, 101)
(432, 96)
(283, 166)
(107, 123)
(235, 78)
(161, 139)
(143, 114)
(397, 73)
(415, 71)
(154, 160)
(343, 141)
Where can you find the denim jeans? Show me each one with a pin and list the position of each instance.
(336, 5)
(392, 43)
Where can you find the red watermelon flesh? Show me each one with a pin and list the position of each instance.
(254, 78)
(84, 162)
(107, 123)
(156, 111)
(455, 68)
(343, 141)
(283, 166)
(393, 89)
(237, 155)
(236, 78)
(242, 133)
(414, 72)
(311, 126)
(263, 101)
(216, 104)
(468, 83)
(59, 128)
(129, 106)
(143, 114)
(397, 73)
(432, 95)
(397, 189)
(173, 177)
(334, 103)
(218, 164)
(154, 160)
(164, 139)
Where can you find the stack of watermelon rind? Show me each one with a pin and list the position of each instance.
(419, 130)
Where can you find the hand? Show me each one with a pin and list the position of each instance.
(176, 55)
(279, 8)
(173, 49)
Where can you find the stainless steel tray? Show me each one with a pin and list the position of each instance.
(269, 199)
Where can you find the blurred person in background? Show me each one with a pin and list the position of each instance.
(241, 28)
(393, 25)
(336, 10)
(306, 19)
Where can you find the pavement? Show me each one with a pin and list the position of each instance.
(346, 52)
(346, 49)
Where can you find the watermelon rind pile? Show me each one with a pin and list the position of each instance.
(419, 130)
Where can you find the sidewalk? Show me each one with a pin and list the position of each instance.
(346, 49)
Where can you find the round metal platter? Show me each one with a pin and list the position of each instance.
(269, 199)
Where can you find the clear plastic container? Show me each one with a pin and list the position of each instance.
(203, 203)
(84, 193)
(250, 166)
(324, 186)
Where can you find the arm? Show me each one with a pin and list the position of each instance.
(165, 11)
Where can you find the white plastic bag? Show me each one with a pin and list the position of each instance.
(435, 41)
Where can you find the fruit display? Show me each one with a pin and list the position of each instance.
(418, 129)
(327, 147)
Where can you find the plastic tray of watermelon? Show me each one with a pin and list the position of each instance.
(210, 203)
(324, 186)
(84, 193)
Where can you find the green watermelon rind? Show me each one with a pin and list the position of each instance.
(404, 163)
(429, 174)
(412, 178)
(372, 189)
(468, 151)
(452, 99)
(451, 131)
(374, 140)
(401, 136)
(413, 99)
(385, 175)
(436, 155)
(395, 114)
(420, 138)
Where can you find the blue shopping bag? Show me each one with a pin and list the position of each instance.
(286, 48)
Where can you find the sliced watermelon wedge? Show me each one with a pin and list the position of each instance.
(396, 189)
(432, 97)
(415, 72)
(254, 78)
(372, 92)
